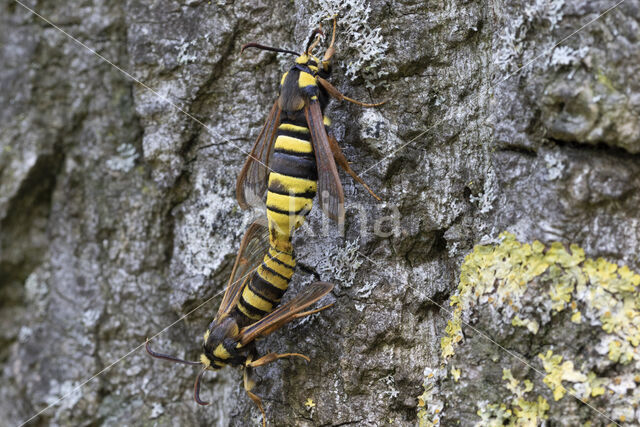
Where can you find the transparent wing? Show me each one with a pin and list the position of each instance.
(251, 186)
(330, 191)
(254, 245)
(285, 313)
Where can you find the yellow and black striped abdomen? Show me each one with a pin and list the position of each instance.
(291, 188)
(292, 181)
(266, 287)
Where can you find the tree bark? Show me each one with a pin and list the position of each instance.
(118, 218)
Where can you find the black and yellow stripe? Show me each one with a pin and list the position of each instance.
(292, 185)
(292, 182)
(267, 286)
(223, 354)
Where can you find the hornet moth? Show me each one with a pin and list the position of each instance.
(295, 154)
(230, 338)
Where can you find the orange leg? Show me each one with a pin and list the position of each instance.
(331, 50)
(317, 40)
(341, 160)
(310, 312)
(328, 86)
(331, 89)
(270, 357)
(248, 385)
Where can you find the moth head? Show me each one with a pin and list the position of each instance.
(218, 332)
(308, 60)
(214, 350)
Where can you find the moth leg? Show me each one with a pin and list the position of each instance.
(249, 383)
(331, 50)
(319, 34)
(331, 89)
(270, 357)
(310, 312)
(342, 161)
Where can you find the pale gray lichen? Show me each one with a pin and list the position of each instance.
(565, 55)
(343, 265)
(514, 50)
(36, 285)
(511, 44)
(391, 391)
(193, 243)
(378, 132)
(489, 193)
(366, 44)
(186, 51)
(365, 291)
(453, 249)
(25, 333)
(69, 390)
(156, 410)
(555, 166)
(90, 318)
(125, 160)
(544, 10)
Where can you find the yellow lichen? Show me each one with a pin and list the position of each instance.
(521, 411)
(596, 385)
(453, 336)
(455, 374)
(530, 413)
(531, 325)
(576, 317)
(526, 285)
(502, 274)
(429, 402)
(513, 383)
(558, 372)
(494, 415)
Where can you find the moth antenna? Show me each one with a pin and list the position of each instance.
(168, 357)
(272, 49)
(196, 389)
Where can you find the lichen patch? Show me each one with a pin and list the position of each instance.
(574, 320)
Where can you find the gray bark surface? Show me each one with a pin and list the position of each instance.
(118, 215)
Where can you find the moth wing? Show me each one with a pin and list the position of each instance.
(254, 245)
(285, 313)
(251, 186)
(330, 191)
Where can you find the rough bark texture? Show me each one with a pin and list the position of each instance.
(118, 216)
